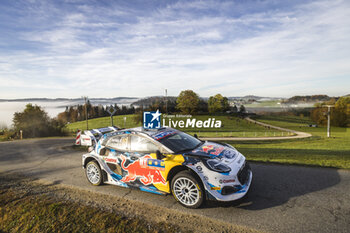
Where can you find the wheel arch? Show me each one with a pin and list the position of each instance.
(89, 159)
(104, 173)
(175, 170)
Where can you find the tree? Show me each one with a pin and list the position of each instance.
(340, 114)
(63, 117)
(342, 111)
(187, 102)
(242, 109)
(202, 106)
(218, 103)
(319, 115)
(234, 109)
(34, 122)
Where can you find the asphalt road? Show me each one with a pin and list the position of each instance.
(282, 198)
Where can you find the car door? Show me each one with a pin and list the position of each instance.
(141, 166)
(116, 148)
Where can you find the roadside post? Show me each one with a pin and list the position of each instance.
(77, 139)
(111, 111)
(21, 134)
(329, 120)
(124, 121)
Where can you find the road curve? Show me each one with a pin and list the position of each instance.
(298, 134)
(282, 198)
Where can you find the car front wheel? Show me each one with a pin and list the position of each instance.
(187, 190)
(93, 173)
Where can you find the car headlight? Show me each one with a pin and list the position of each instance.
(217, 166)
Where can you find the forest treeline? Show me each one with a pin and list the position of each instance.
(78, 113)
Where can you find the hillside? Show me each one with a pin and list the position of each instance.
(231, 126)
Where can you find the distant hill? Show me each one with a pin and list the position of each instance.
(307, 98)
(152, 99)
(253, 97)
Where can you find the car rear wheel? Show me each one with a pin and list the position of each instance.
(93, 173)
(187, 190)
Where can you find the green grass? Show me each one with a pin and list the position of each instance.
(269, 103)
(26, 211)
(3, 138)
(317, 150)
(103, 122)
(231, 126)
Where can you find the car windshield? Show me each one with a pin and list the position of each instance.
(180, 141)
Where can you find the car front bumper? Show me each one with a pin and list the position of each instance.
(229, 193)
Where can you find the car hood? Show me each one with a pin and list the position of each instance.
(215, 150)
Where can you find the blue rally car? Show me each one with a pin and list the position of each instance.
(165, 161)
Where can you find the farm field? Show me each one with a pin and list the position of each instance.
(231, 126)
(269, 103)
(317, 150)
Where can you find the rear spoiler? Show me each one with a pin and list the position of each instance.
(96, 134)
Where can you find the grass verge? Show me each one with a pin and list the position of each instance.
(316, 151)
(25, 210)
(28, 205)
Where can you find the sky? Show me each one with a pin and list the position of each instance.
(72, 48)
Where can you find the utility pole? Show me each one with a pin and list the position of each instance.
(86, 114)
(329, 120)
(166, 101)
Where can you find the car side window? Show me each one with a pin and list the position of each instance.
(119, 142)
(141, 144)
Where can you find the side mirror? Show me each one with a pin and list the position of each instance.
(160, 156)
(195, 135)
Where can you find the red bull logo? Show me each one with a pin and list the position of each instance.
(140, 169)
(208, 148)
(211, 149)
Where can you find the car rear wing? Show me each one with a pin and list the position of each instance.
(96, 134)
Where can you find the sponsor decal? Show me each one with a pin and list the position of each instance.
(151, 120)
(210, 149)
(226, 181)
(215, 188)
(164, 134)
(156, 164)
(110, 160)
(141, 169)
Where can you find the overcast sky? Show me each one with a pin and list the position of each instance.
(138, 48)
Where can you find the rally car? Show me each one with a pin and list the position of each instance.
(90, 137)
(165, 161)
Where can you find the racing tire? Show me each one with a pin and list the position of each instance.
(187, 190)
(93, 173)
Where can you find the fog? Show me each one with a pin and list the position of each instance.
(8, 108)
